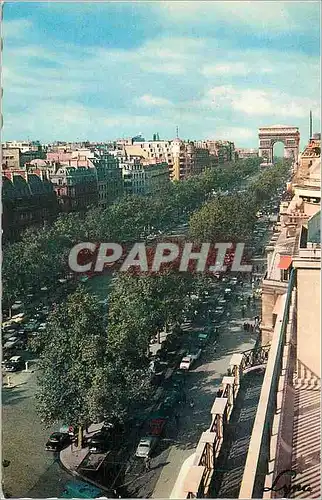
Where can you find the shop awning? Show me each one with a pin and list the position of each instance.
(285, 261)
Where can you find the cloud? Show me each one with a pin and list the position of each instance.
(238, 68)
(260, 102)
(188, 69)
(167, 68)
(84, 121)
(15, 29)
(152, 101)
(233, 133)
(259, 16)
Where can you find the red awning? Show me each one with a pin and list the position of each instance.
(285, 261)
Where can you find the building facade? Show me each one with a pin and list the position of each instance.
(28, 199)
(286, 432)
(247, 153)
(11, 158)
(76, 188)
(109, 179)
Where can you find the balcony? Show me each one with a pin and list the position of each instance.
(285, 435)
(215, 469)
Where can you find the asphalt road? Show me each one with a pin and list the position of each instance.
(32, 470)
(202, 384)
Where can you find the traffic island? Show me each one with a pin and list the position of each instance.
(72, 458)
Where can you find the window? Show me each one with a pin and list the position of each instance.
(284, 275)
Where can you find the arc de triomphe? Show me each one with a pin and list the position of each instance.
(289, 136)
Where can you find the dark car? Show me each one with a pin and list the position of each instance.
(172, 342)
(101, 441)
(57, 441)
(14, 364)
(172, 399)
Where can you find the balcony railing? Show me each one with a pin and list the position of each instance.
(211, 441)
(257, 464)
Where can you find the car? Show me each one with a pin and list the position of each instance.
(188, 360)
(155, 428)
(172, 399)
(57, 441)
(100, 442)
(203, 338)
(172, 342)
(14, 364)
(146, 446)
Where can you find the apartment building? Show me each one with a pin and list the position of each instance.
(183, 158)
(27, 199)
(24, 146)
(76, 188)
(109, 178)
(246, 153)
(286, 432)
(11, 158)
(144, 176)
(220, 151)
(104, 166)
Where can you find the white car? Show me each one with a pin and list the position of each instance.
(146, 446)
(188, 360)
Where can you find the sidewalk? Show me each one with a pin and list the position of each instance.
(71, 457)
(173, 475)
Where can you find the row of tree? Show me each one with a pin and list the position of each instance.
(231, 218)
(41, 257)
(90, 371)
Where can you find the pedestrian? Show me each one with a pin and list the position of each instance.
(219, 393)
(245, 326)
(147, 462)
(192, 404)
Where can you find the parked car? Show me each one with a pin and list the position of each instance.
(100, 442)
(146, 446)
(188, 360)
(219, 311)
(57, 441)
(14, 364)
(148, 443)
(172, 342)
(203, 338)
(172, 399)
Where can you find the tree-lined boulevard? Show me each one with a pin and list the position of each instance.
(93, 357)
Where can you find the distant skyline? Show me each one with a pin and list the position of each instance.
(217, 70)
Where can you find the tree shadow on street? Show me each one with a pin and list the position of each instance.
(12, 395)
